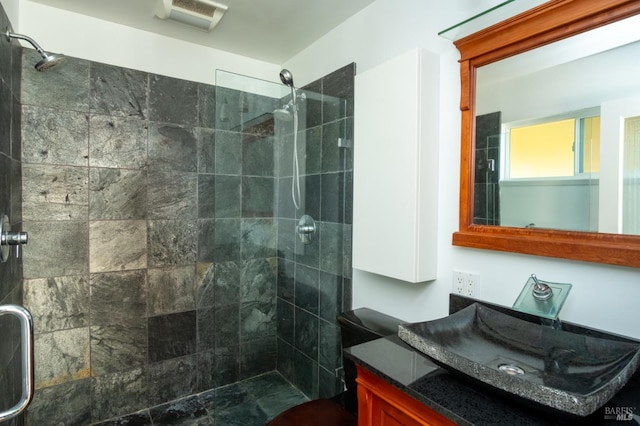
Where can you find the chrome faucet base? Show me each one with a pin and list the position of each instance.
(541, 291)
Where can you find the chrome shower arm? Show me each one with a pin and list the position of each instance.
(48, 60)
(28, 39)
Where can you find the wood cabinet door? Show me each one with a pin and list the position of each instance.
(381, 404)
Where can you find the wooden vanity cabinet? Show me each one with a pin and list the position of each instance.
(381, 404)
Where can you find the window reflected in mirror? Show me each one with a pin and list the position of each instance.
(540, 173)
(553, 148)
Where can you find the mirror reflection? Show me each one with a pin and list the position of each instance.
(557, 139)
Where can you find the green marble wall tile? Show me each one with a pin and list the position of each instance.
(117, 194)
(61, 356)
(171, 289)
(117, 91)
(58, 303)
(55, 192)
(118, 142)
(56, 249)
(117, 245)
(53, 136)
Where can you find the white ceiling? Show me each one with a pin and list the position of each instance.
(269, 30)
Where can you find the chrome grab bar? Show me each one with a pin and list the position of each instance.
(26, 343)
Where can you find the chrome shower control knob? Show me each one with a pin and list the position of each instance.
(10, 238)
(306, 228)
(13, 238)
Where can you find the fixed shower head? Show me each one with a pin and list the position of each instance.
(49, 60)
(286, 77)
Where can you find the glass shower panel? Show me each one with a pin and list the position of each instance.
(257, 177)
(250, 109)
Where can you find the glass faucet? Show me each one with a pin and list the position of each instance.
(543, 299)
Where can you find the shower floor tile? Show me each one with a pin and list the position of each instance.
(252, 402)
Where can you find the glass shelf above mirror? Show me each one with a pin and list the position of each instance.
(485, 13)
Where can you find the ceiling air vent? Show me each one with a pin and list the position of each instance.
(201, 14)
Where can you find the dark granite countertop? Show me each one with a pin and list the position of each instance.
(468, 403)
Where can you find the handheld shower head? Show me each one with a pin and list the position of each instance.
(282, 114)
(285, 113)
(49, 60)
(286, 77)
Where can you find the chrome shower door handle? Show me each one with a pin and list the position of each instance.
(26, 343)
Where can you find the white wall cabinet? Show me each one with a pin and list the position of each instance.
(396, 130)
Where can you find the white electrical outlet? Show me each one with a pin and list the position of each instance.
(471, 284)
(458, 282)
(466, 283)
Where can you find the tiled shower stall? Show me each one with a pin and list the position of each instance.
(486, 199)
(162, 259)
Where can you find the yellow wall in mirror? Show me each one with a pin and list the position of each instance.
(547, 149)
(542, 150)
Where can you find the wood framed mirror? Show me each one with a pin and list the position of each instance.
(550, 22)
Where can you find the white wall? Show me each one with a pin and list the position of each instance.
(569, 203)
(603, 296)
(80, 36)
(12, 9)
(571, 86)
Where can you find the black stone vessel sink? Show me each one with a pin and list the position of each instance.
(568, 372)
